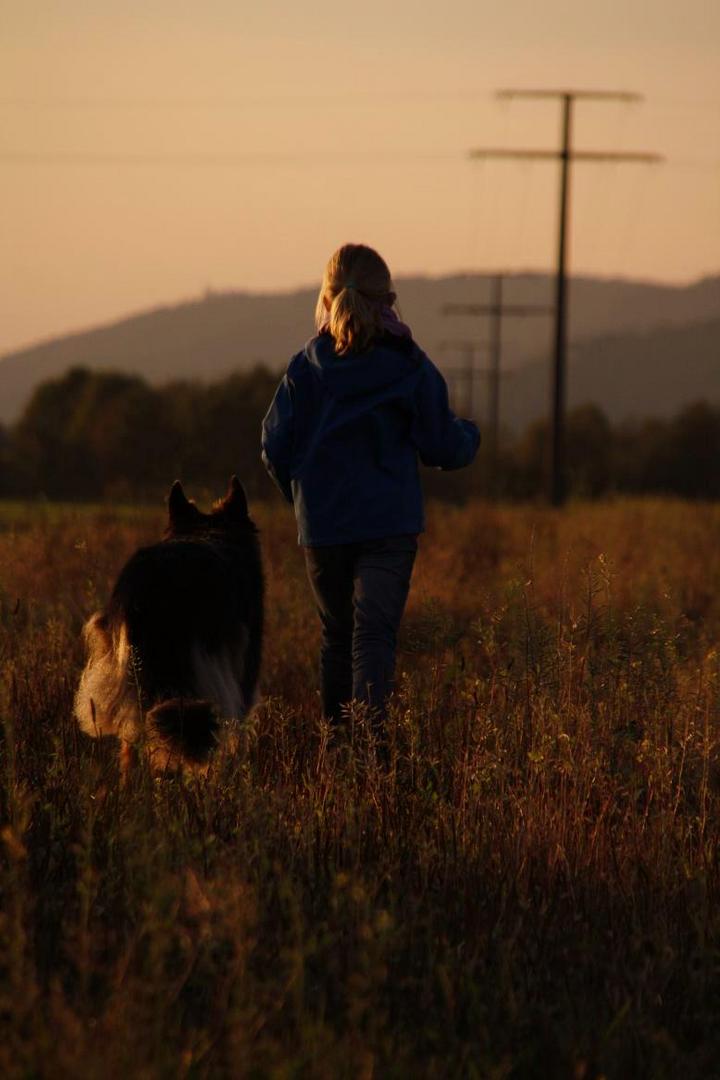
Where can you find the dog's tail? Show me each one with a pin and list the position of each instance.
(182, 731)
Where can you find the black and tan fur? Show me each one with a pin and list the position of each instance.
(174, 658)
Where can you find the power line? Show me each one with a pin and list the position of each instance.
(360, 97)
(221, 159)
(496, 309)
(566, 155)
(462, 377)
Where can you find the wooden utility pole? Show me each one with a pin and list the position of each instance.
(566, 155)
(463, 376)
(496, 309)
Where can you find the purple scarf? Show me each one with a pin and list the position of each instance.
(393, 324)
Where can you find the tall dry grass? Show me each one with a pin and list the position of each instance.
(530, 889)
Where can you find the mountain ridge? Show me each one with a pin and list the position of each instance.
(209, 337)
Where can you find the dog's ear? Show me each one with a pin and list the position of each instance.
(235, 502)
(182, 512)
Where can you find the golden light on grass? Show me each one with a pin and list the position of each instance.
(530, 885)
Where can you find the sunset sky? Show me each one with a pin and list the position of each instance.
(153, 150)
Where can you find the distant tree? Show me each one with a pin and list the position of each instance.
(643, 456)
(679, 456)
(695, 448)
(230, 431)
(13, 474)
(91, 433)
(41, 437)
(589, 451)
(589, 446)
(94, 434)
(526, 464)
(215, 429)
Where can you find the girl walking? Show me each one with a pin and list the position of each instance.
(359, 406)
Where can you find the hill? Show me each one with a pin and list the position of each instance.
(630, 376)
(212, 336)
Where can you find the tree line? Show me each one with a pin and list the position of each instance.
(97, 435)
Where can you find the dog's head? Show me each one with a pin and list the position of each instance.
(228, 515)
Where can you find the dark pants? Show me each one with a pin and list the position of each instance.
(360, 590)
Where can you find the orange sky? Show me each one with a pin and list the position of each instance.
(151, 150)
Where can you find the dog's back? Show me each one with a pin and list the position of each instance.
(178, 647)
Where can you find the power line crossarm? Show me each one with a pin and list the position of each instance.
(583, 95)
(574, 155)
(491, 309)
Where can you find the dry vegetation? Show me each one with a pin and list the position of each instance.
(530, 889)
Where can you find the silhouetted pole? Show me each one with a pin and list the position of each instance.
(558, 473)
(465, 374)
(496, 309)
(495, 357)
(557, 484)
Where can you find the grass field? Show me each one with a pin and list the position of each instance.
(529, 890)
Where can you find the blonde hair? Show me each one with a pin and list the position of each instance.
(356, 285)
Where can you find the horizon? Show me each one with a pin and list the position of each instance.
(212, 293)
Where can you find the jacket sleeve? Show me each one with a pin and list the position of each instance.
(443, 440)
(277, 437)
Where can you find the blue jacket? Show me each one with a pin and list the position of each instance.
(343, 436)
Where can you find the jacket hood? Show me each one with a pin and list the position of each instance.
(391, 361)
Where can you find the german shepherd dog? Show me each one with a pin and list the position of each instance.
(174, 658)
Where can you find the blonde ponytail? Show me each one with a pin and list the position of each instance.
(356, 287)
